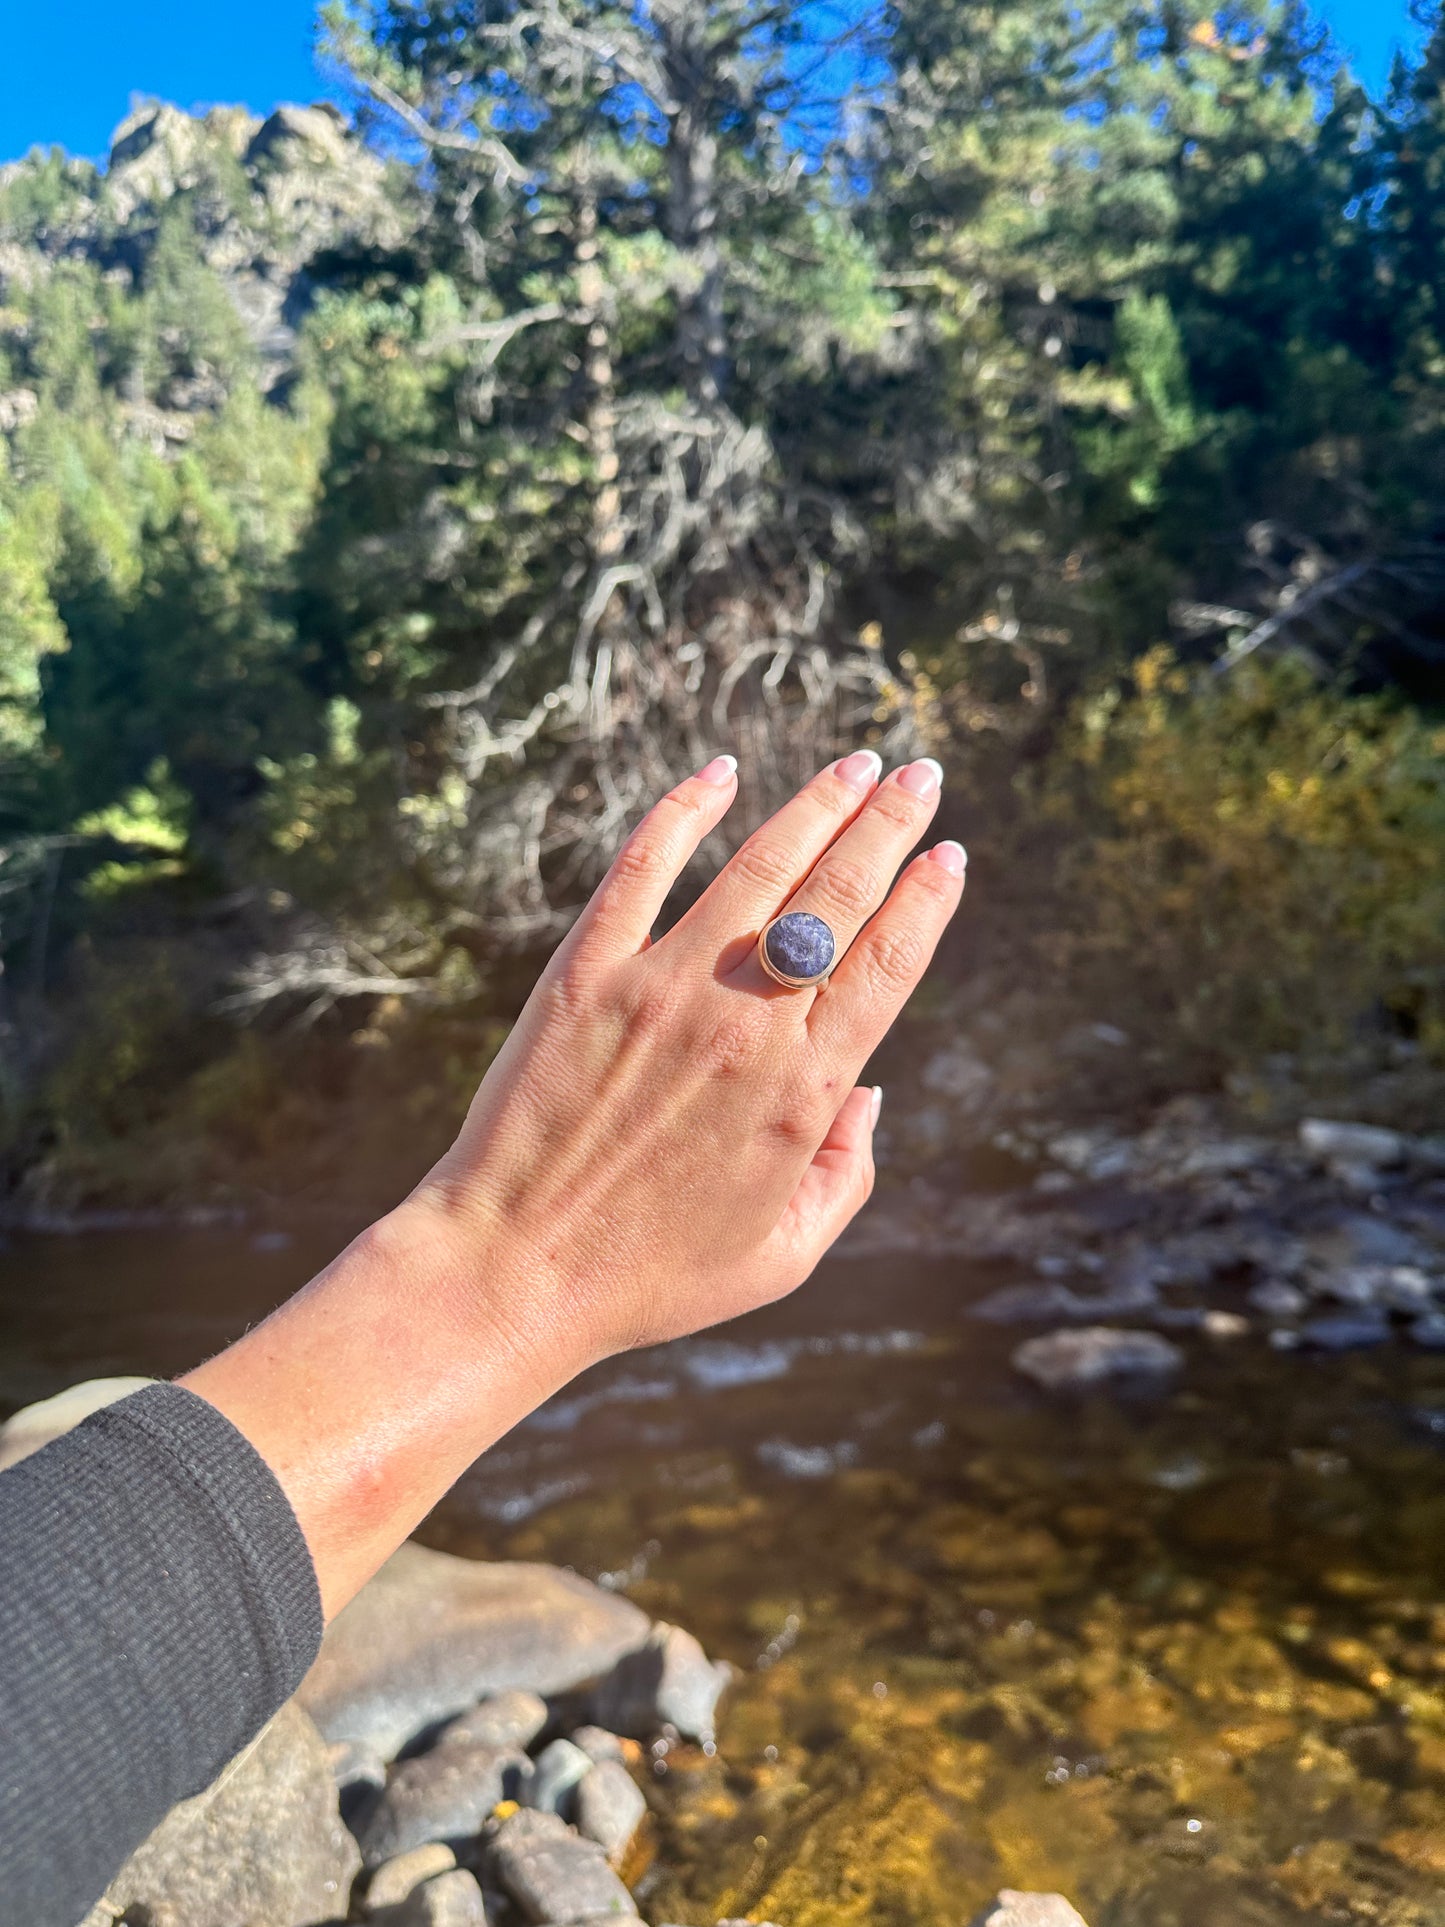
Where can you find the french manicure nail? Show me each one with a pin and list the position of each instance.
(720, 770)
(923, 778)
(952, 856)
(861, 770)
(877, 1104)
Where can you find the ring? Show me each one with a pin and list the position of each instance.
(797, 949)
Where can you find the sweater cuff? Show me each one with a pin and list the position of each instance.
(221, 1466)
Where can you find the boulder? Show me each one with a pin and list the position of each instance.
(552, 1874)
(433, 1634)
(608, 1808)
(1010, 1908)
(442, 1795)
(52, 1418)
(264, 1843)
(670, 1681)
(1078, 1360)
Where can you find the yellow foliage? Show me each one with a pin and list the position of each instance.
(1265, 857)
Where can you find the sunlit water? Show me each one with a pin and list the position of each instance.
(1177, 1654)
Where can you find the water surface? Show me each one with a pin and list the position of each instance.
(1179, 1654)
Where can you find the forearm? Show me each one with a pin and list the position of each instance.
(370, 1392)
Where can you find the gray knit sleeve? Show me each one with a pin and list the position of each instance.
(157, 1605)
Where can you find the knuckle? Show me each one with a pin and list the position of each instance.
(934, 881)
(896, 806)
(893, 958)
(730, 1047)
(765, 865)
(641, 858)
(649, 1010)
(849, 887)
(796, 1127)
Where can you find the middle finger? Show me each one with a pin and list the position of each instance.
(851, 879)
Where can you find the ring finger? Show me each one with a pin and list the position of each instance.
(851, 879)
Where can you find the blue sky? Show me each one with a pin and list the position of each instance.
(68, 70)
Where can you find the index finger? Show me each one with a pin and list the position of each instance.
(884, 966)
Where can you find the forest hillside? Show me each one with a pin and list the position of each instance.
(392, 503)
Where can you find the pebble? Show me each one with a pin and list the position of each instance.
(442, 1795)
(1429, 1331)
(1277, 1299)
(1347, 1331)
(1070, 1360)
(450, 1900)
(551, 1872)
(394, 1879)
(557, 1771)
(1011, 1908)
(599, 1745)
(609, 1808)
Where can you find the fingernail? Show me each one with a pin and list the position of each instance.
(952, 856)
(877, 1105)
(722, 769)
(861, 770)
(924, 778)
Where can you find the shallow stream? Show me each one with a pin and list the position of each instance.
(1179, 1654)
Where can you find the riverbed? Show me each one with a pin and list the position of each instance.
(1177, 1651)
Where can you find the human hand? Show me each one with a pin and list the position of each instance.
(670, 1138)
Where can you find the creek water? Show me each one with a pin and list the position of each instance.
(1179, 1653)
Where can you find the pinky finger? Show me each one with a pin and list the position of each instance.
(831, 1191)
(883, 967)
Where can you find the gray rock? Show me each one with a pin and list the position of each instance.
(1010, 1908)
(443, 1795)
(598, 1744)
(1429, 1331)
(1073, 1360)
(394, 1880)
(52, 1418)
(265, 1843)
(609, 1808)
(1277, 1299)
(505, 1719)
(558, 1770)
(360, 1777)
(1347, 1330)
(451, 1900)
(669, 1682)
(1332, 1141)
(431, 1635)
(552, 1873)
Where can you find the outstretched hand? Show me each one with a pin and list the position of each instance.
(668, 1138)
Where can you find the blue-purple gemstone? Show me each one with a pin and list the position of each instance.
(801, 945)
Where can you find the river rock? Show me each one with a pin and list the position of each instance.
(1333, 1142)
(598, 1744)
(669, 1682)
(608, 1808)
(1011, 1908)
(442, 1795)
(552, 1873)
(265, 1843)
(1075, 1360)
(451, 1900)
(557, 1771)
(1429, 1331)
(52, 1418)
(505, 1719)
(433, 1634)
(395, 1879)
(1347, 1330)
